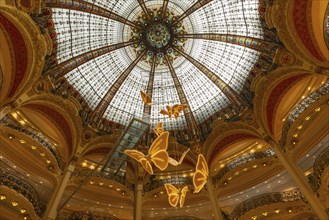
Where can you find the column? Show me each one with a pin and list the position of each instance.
(139, 173)
(213, 201)
(57, 196)
(138, 201)
(300, 180)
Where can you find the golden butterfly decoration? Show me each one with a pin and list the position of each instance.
(158, 129)
(201, 174)
(157, 154)
(146, 98)
(174, 110)
(176, 195)
(174, 162)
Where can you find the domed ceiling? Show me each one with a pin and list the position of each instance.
(162, 55)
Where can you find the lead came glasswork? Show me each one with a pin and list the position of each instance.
(84, 29)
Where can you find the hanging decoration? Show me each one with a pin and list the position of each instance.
(201, 174)
(176, 195)
(158, 129)
(174, 110)
(157, 154)
(174, 162)
(146, 98)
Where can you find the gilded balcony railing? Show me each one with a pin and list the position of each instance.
(300, 108)
(242, 160)
(265, 199)
(117, 178)
(85, 215)
(182, 218)
(39, 137)
(326, 27)
(156, 183)
(23, 188)
(319, 166)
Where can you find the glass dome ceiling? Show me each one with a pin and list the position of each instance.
(115, 97)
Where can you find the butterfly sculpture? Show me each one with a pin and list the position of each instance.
(174, 162)
(174, 110)
(157, 154)
(158, 129)
(201, 174)
(167, 111)
(176, 195)
(146, 98)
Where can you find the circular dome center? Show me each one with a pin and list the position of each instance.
(158, 35)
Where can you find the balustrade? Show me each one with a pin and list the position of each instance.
(85, 215)
(25, 189)
(265, 199)
(39, 137)
(105, 175)
(319, 166)
(299, 109)
(156, 183)
(242, 160)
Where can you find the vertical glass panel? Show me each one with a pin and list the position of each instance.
(228, 61)
(79, 32)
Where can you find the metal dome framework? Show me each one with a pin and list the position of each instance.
(213, 55)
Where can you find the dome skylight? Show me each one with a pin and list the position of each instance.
(170, 32)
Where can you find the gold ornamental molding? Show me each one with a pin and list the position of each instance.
(58, 107)
(238, 168)
(36, 45)
(28, 6)
(281, 16)
(91, 140)
(19, 202)
(266, 84)
(223, 129)
(13, 137)
(251, 178)
(293, 132)
(96, 186)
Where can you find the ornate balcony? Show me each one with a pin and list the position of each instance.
(23, 188)
(299, 109)
(242, 160)
(319, 166)
(265, 199)
(85, 215)
(39, 137)
(116, 178)
(154, 184)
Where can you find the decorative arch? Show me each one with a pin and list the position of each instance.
(62, 116)
(23, 203)
(228, 140)
(225, 134)
(15, 58)
(99, 145)
(271, 93)
(23, 48)
(298, 28)
(306, 124)
(18, 146)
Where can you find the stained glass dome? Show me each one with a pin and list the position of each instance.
(167, 53)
